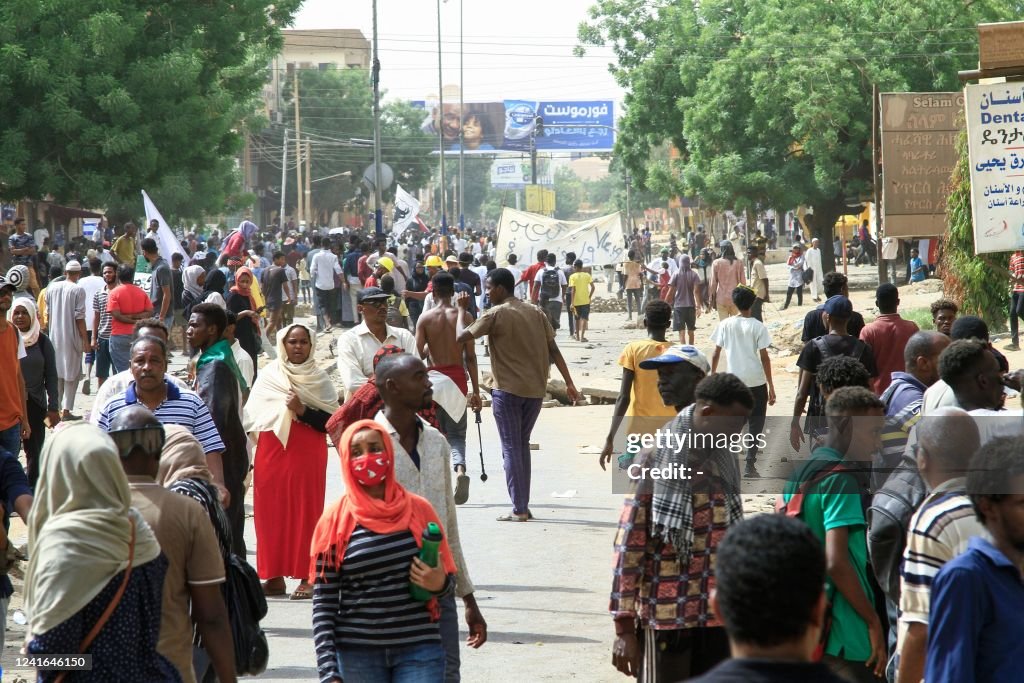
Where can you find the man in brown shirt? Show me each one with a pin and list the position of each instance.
(195, 566)
(522, 345)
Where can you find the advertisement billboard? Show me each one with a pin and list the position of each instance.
(522, 125)
(515, 174)
(995, 145)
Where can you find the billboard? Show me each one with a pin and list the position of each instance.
(995, 145)
(511, 125)
(515, 174)
(918, 155)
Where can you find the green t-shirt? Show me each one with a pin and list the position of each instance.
(832, 503)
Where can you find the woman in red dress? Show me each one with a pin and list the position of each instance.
(287, 414)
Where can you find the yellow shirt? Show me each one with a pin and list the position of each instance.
(580, 284)
(123, 249)
(644, 398)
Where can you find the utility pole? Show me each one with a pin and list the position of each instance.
(629, 216)
(462, 141)
(284, 178)
(883, 275)
(440, 128)
(298, 150)
(309, 174)
(378, 215)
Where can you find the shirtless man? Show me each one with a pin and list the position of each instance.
(435, 339)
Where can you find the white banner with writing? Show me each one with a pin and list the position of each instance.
(597, 241)
(995, 140)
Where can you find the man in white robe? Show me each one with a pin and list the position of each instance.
(65, 307)
(813, 260)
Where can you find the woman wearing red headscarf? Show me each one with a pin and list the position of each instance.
(367, 627)
(242, 303)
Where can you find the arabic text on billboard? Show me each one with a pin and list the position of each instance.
(511, 125)
(995, 143)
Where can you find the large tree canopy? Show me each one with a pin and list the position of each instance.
(104, 97)
(769, 101)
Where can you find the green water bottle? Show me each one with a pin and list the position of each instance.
(432, 538)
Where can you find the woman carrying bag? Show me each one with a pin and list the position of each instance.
(367, 627)
(94, 582)
(286, 416)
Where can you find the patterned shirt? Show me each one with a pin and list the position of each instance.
(649, 584)
(99, 305)
(1016, 270)
(21, 241)
(181, 407)
(939, 531)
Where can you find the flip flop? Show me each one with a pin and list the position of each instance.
(302, 593)
(461, 489)
(512, 517)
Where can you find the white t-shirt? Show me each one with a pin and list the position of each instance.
(539, 278)
(39, 236)
(91, 285)
(994, 423)
(743, 338)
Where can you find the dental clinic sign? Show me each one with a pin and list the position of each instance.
(995, 139)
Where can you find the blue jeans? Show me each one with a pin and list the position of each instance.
(455, 432)
(449, 625)
(120, 346)
(409, 664)
(10, 439)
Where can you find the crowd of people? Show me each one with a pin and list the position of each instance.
(895, 554)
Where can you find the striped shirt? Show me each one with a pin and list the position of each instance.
(1017, 270)
(939, 531)
(366, 602)
(99, 305)
(181, 407)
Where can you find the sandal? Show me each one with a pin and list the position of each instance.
(303, 592)
(513, 517)
(461, 489)
(272, 592)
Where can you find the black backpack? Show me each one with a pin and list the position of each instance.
(550, 284)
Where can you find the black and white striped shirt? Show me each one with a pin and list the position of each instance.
(366, 602)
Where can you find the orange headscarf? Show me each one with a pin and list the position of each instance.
(244, 291)
(397, 511)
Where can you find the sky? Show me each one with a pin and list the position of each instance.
(518, 49)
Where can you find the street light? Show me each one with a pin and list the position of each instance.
(378, 214)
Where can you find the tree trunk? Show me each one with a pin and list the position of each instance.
(822, 223)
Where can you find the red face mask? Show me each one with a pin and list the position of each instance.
(371, 469)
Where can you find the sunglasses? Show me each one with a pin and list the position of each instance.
(375, 303)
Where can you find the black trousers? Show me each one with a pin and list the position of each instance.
(799, 295)
(34, 444)
(757, 417)
(1016, 312)
(685, 653)
(755, 310)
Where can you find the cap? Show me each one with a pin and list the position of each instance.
(434, 261)
(451, 258)
(371, 293)
(799, 246)
(73, 267)
(664, 250)
(387, 263)
(680, 353)
(838, 306)
(724, 243)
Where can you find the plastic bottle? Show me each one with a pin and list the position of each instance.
(432, 538)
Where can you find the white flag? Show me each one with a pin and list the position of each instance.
(407, 208)
(166, 240)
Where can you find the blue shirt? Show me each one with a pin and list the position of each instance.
(976, 619)
(904, 390)
(351, 264)
(916, 263)
(183, 408)
(13, 485)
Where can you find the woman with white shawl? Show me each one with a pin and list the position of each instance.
(286, 415)
(88, 550)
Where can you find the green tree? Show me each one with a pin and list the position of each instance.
(769, 101)
(569, 191)
(336, 111)
(103, 99)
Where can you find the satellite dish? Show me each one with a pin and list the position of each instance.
(387, 176)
